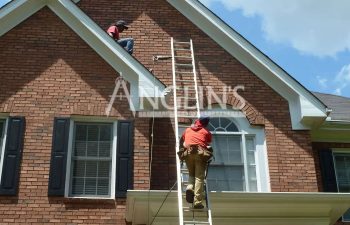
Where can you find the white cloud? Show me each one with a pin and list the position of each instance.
(342, 80)
(344, 75)
(315, 27)
(322, 81)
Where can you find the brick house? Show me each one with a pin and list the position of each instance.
(64, 161)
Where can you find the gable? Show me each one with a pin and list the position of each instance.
(305, 109)
(134, 72)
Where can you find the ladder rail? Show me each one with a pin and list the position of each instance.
(195, 78)
(178, 172)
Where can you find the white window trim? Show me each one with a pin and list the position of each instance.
(339, 150)
(261, 157)
(70, 150)
(2, 145)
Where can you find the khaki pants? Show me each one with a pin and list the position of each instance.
(196, 167)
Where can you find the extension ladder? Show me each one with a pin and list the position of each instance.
(186, 91)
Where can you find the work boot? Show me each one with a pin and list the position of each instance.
(198, 206)
(189, 195)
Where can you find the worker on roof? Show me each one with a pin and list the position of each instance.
(115, 29)
(196, 142)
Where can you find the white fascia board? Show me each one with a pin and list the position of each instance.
(108, 49)
(273, 208)
(300, 100)
(17, 11)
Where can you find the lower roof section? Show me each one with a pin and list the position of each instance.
(243, 208)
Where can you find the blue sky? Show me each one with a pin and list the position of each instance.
(309, 39)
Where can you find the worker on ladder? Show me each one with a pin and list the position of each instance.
(115, 29)
(196, 143)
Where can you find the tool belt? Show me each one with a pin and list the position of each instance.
(205, 153)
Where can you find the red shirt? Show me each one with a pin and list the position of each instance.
(114, 31)
(201, 137)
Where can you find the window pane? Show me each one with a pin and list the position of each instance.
(227, 149)
(214, 123)
(232, 128)
(105, 149)
(80, 148)
(103, 187)
(91, 161)
(103, 169)
(226, 178)
(78, 168)
(81, 132)
(105, 133)
(224, 122)
(78, 186)
(342, 166)
(93, 133)
(92, 148)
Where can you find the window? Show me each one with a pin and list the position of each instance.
(240, 162)
(91, 159)
(342, 172)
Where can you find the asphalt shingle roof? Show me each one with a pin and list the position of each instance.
(340, 105)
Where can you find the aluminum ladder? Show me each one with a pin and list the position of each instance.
(185, 91)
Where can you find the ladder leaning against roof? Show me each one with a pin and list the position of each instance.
(186, 91)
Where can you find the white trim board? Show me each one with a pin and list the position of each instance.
(303, 105)
(274, 208)
(142, 81)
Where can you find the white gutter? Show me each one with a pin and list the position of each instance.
(246, 208)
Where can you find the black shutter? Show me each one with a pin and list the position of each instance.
(59, 157)
(327, 171)
(12, 156)
(124, 173)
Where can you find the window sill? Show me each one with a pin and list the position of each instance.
(90, 200)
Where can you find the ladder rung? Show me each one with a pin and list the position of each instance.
(183, 57)
(181, 72)
(185, 80)
(181, 64)
(182, 49)
(182, 42)
(196, 222)
(190, 209)
(186, 97)
(187, 88)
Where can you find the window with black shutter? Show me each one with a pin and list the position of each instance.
(98, 159)
(342, 172)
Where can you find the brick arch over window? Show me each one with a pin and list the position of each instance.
(252, 115)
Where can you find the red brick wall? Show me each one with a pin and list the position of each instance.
(152, 23)
(46, 70)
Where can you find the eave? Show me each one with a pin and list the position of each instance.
(229, 208)
(332, 131)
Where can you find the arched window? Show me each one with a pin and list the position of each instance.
(234, 167)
